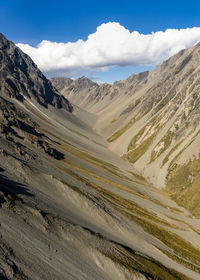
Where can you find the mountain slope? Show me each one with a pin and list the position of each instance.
(20, 78)
(72, 209)
(152, 119)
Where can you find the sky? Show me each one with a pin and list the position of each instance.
(104, 40)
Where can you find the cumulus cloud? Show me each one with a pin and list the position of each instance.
(111, 45)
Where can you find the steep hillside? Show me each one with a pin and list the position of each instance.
(69, 207)
(152, 119)
(20, 78)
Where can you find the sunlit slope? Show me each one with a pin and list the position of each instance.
(152, 119)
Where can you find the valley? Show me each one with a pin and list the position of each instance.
(151, 119)
(99, 181)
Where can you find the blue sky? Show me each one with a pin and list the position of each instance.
(58, 21)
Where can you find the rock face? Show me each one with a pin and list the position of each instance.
(91, 96)
(69, 207)
(77, 90)
(153, 120)
(20, 78)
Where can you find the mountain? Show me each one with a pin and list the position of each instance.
(73, 88)
(70, 208)
(153, 120)
(20, 78)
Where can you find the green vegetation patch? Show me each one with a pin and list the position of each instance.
(164, 144)
(165, 160)
(136, 151)
(140, 264)
(137, 101)
(184, 252)
(183, 185)
(115, 119)
(121, 131)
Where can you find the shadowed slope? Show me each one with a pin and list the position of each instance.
(20, 78)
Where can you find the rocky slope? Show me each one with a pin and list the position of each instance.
(72, 209)
(152, 119)
(20, 78)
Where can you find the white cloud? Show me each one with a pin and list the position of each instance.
(111, 45)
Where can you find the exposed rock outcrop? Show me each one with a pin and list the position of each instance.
(20, 78)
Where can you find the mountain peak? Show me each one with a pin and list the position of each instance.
(20, 78)
(4, 42)
(86, 81)
(2, 37)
